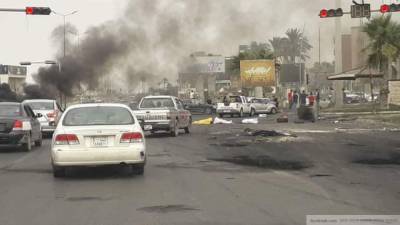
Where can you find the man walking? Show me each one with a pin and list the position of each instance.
(295, 99)
(290, 98)
(303, 98)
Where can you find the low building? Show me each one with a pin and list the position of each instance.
(14, 76)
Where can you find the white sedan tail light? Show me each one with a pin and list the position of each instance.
(67, 139)
(134, 137)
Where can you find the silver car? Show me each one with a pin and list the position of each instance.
(50, 110)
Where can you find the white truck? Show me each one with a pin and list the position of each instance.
(235, 105)
(163, 113)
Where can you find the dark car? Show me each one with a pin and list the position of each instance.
(199, 108)
(19, 126)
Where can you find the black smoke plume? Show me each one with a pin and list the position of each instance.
(7, 95)
(151, 38)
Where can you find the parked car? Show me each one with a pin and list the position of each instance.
(19, 126)
(50, 110)
(164, 113)
(199, 108)
(235, 105)
(98, 134)
(263, 105)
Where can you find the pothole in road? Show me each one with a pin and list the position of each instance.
(86, 198)
(167, 208)
(393, 159)
(266, 162)
(321, 175)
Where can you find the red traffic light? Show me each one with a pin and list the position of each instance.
(385, 8)
(323, 13)
(37, 11)
(29, 10)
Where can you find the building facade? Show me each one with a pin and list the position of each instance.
(14, 76)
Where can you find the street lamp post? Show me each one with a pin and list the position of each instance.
(64, 18)
(47, 62)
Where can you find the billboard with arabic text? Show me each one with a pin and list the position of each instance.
(257, 73)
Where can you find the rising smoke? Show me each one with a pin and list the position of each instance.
(152, 37)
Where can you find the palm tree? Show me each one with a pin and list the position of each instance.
(298, 45)
(280, 47)
(384, 46)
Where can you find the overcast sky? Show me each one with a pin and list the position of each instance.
(27, 38)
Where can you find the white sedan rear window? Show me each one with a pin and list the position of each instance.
(98, 115)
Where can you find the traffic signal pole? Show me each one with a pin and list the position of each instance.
(338, 58)
(12, 10)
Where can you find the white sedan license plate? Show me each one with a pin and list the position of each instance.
(148, 127)
(100, 141)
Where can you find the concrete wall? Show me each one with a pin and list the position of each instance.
(347, 53)
(359, 41)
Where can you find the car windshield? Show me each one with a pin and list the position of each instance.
(10, 110)
(98, 115)
(41, 105)
(149, 103)
(235, 99)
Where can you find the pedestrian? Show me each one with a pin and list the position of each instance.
(317, 99)
(295, 99)
(290, 98)
(276, 101)
(303, 98)
(311, 99)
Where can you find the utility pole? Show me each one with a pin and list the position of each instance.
(64, 48)
(338, 58)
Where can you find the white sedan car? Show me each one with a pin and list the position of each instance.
(98, 134)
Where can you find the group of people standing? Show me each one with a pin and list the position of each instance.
(296, 99)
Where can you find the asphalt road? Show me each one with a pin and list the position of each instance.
(215, 175)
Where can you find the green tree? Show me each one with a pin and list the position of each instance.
(294, 45)
(384, 45)
(280, 46)
(298, 45)
(256, 51)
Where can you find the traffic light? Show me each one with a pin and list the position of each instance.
(324, 13)
(37, 11)
(390, 8)
(360, 11)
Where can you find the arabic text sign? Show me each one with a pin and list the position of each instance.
(257, 73)
(211, 64)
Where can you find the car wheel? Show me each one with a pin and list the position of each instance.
(138, 169)
(241, 113)
(252, 112)
(175, 130)
(187, 129)
(27, 147)
(59, 171)
(273, 111)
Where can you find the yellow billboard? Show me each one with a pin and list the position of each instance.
(257, 73)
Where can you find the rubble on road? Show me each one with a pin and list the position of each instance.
(218, 120)
(283, 119)
(207, 121)
(267, 133)
(266, 162)
(250, 121)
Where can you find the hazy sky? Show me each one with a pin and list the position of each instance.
(28, 37)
